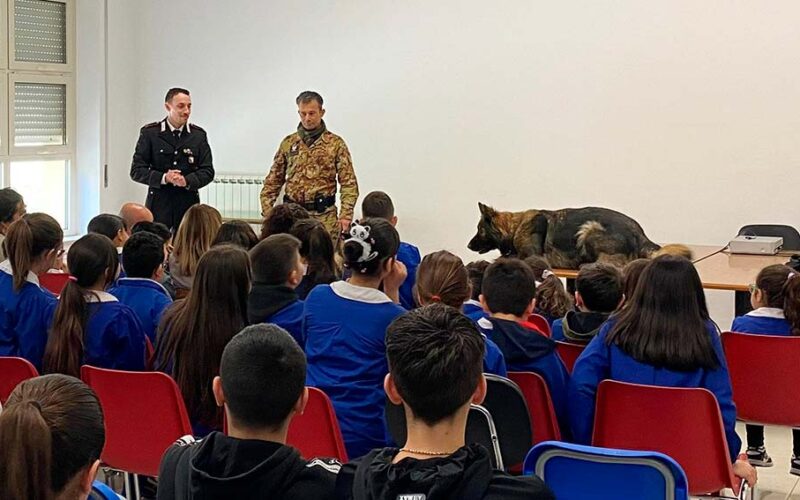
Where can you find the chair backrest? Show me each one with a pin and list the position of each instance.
(577, 472)
(480, 429)
(791, 238)
(683, 423)
(54, 282)
(12, 372)
(509, 410)
(764, 397)
(316, 432)
(569, 352)
(544, 423)
(144, 414)
(541, 324)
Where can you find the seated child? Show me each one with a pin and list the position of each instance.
(552, 300)
(277, 271)
(236, 232)
(261, 385)
(317, 254)
(281, 219)
(379, 204)
(472, 307)
(143, 258)
(508, 290)
(630, 278)
(598, 293)
(442, 278)
(435, 357)
(775, 298)
(113, 227)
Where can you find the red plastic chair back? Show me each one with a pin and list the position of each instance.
(541, 324)
(12, 372)
(544, 423)
(316, 432)
(569, 352)
(55, 282)
(683, 423)
(764, 397)
(144, 414)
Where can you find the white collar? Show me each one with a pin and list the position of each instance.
(119, 250)
(185, 127)
(485, 324)
(5, 267)
(95, 296)
(472, 302)
(767, 312)
(143, 279)
(347, 290)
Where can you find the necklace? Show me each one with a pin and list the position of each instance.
(425, 452)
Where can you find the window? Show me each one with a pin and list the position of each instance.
(37, 105)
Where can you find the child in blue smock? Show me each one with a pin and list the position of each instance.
(443, 278)
(90, 325)
(379, 204)
(663, 337)
(277, 270)
(775, 298)
(508, 290)
(143, 259)
(598, 293)
(345, 327)
(33, 245)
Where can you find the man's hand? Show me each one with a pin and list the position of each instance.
(345, 223)
(180, 180)
(171, 176)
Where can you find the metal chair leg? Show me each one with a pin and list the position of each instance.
(136, 487)
(127, 487)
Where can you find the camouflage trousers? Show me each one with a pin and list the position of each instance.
(330, 219)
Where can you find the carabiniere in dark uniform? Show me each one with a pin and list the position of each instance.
(160, 150)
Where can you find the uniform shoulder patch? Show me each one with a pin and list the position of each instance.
(186, 440)
(195, 126)
(329, 464)
(152, 125)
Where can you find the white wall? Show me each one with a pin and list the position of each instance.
(682, 114)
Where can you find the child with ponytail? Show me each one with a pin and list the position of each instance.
(775, 298)
(91, 326)
(442, 277)
(34, 244)
(317, 255)
(552, 300)
(345, 326)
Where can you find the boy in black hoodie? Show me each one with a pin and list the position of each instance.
(434, 347)
(508, 291)
(277, 270)
(598, 293)
(261, 385)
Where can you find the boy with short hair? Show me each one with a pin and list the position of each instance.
(434, 347)
(598, 293)
(379, 204)
(508, 290)
(143, 259)
(472, 308)
(277, 270)
(163, 232)
(261, 385)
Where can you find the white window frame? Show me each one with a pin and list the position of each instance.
(69, 196)
(4, 137)
(69, 140)
(37, 66)
(4, 34)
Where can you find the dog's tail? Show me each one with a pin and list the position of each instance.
(677, 249)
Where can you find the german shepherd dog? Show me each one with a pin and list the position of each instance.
(567, 238)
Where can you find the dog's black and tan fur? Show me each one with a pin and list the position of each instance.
(567, 238)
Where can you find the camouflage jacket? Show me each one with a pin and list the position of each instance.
(308, 171)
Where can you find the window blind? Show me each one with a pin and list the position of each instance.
(40, 114)
(40, 33)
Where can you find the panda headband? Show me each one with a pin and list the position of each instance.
(360, 234)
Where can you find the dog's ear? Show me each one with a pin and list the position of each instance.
(486, 210)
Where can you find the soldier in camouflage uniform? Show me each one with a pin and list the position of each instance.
(309, 162)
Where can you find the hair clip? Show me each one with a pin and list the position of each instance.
(547, 273)
(435, 298)
(360, 234)
(72, 278)
(791, 275)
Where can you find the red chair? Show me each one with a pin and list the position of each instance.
(765, 398)
(544, 424)
(12, 372)
(144, 414)
(685, 424)
(316, 432)
(569, 353)
(540, 323)
(55, 282)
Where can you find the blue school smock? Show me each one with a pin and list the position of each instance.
(528, 350)
(600, 361)
(764, 321)
(25, 317)
(408, 254)
(114, 337)
(147, 298)
(345, 331)
(493, 360)
(290, 318)
(473, 310)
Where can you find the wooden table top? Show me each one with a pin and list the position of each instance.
(718, 269)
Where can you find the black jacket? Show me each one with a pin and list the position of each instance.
(157, 152)
(467, 474)
(222, 467)
(582, 327)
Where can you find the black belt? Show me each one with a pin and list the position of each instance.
(319, 205)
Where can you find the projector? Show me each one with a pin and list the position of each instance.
(756, 245)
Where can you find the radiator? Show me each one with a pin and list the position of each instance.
(235, 196)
